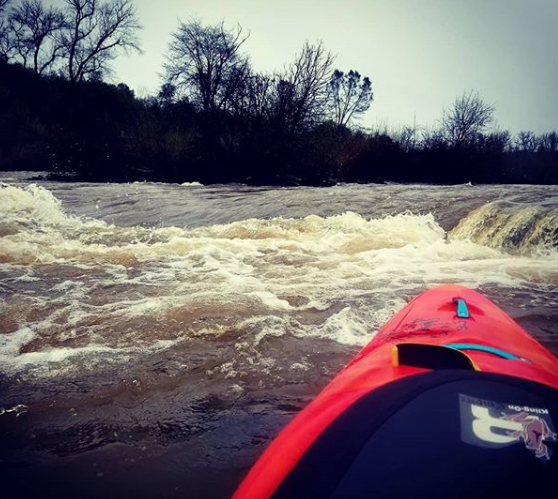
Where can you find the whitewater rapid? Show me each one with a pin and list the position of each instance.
(85, 287)
(150, 315)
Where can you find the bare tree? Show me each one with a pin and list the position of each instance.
(526, 141)
(302, 90)
(350, 96)
(433, 139)
(468, 117)
(3, 12)
(205, 64)
(255, 97)
(167, 94)
(5, 42)
(496, 142)
(548, 142)
(408, 138)
(96, 33)
(35, 34)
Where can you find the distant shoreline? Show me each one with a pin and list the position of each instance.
(43, 176)
(96, 132)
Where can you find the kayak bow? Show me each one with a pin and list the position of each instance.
(451, 398)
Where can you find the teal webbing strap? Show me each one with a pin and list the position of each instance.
(484, 348)
(462, 310)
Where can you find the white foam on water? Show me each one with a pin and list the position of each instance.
(300, 366)
(28, 278)
(271, 301)
(52, 361)
(11, 343)
(18, 410)
(123, 291)
(191, 184)
(37, 207)
(55, 355)
(347, 326)
(525, 229)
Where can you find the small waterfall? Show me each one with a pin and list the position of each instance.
(512, 227)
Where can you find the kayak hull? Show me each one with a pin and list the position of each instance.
(448, 339)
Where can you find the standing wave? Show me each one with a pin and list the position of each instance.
(513, 227)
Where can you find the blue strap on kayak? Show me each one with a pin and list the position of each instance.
(462, 310)
(484, 348)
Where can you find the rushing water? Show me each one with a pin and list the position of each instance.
(154, 338)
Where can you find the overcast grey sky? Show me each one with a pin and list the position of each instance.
(419, 54)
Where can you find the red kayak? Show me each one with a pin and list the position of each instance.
(451, 398)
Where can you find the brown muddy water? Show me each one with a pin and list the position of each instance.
(154, 338)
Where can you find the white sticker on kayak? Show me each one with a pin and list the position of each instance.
(486, 423)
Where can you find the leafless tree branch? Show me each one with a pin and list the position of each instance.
(35, 34)
(302, 90)
(349, 96)
(205, 64)
(95, 33)
(468, 117)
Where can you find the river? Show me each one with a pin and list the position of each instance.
(155, 337)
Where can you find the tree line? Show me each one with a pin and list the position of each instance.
(78, 41)
(216, 119)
